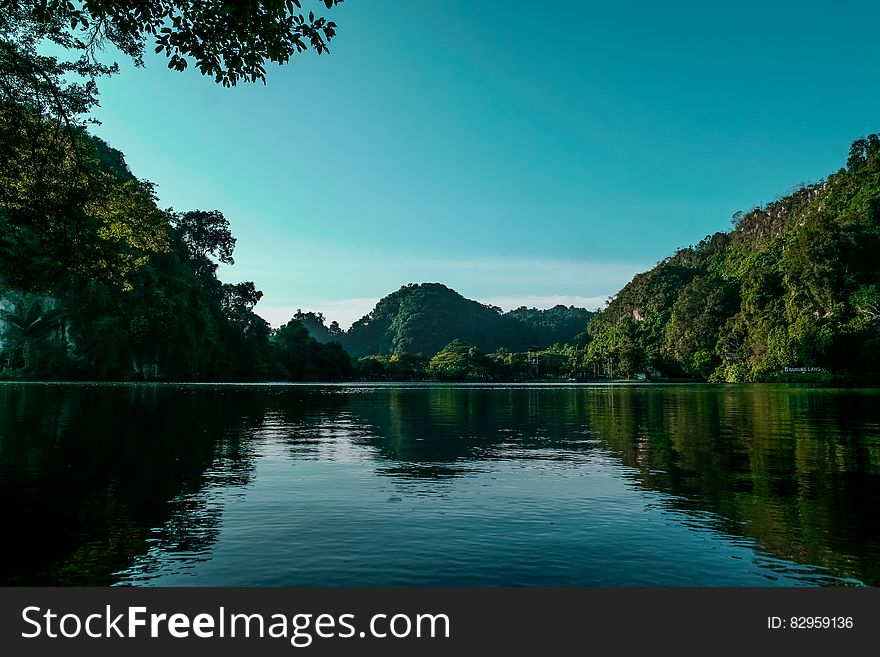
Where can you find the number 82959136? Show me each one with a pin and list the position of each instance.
(810, 623)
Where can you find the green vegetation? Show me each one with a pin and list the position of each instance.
(795, 284)
(458, 360)
(428, 331)
(147, 303)
(421, 319)
(229, 41)
(66, 206)
(306, 359)
(96, 281)
(557, 325)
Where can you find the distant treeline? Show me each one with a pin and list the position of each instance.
(459, 361)
(791, 292)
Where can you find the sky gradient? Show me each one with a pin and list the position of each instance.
(519, 153)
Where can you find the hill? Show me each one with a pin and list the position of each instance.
(557, 325)
(98, 283)
(795, 284)
(421, 319)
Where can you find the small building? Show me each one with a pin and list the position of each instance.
(648, 375)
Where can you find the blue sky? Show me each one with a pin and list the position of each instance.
(520, 153)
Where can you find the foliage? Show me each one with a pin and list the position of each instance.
(205, 234)
(457, 361)
(28, 323)
(793, 285)
(557, 325)
(314, 323)
(169, 317)
(420, 319)
(306, 359)
(396, 367)
(230, 41)
(61, 209)
(95, 280)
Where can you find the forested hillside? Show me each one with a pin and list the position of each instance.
(795, 284)
(98, 283)
(557, 325)
(421, 319)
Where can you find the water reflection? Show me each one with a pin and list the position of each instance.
(502, 484)
(796, 469)
(87, 471)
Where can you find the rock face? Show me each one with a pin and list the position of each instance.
(38, 337)
(31, 325)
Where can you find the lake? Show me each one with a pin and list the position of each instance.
(419, 484)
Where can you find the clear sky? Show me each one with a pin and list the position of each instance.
(521, 153)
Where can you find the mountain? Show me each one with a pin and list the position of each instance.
(557, 325)
(795, 284)
(421, 319)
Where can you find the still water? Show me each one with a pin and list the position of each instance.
(548, 485)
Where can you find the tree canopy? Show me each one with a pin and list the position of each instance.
(421, 319)
(230, 41)
(794, 285)
(67, 206)
(95, 280)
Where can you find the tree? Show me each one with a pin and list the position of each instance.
(858, 154)
(240, 297)
(230, 41)
(205, 234)
(559, 324)
(49, 179)
(866, 302)
(315, 324)
(306, 359)
(62, 208)
(699, 312)
(457, 360)
(61, 212)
